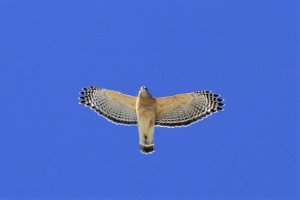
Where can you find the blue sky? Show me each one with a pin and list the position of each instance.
(51, 147)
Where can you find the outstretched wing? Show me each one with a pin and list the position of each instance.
(184, 109)
(113, 105)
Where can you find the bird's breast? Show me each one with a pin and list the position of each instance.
(145, 107)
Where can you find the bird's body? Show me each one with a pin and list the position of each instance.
(148, 112)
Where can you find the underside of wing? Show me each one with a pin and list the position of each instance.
(112, 105)
(185, 109)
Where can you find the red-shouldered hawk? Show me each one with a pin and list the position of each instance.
(148, 112)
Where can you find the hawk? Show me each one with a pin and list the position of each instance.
(147, 111)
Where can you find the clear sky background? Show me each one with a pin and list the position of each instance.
(50, 146)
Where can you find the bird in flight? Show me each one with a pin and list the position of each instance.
(147, 111)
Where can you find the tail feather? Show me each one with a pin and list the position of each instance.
(147, 149)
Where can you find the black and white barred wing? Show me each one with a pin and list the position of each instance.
(184, 109)
(113, 105)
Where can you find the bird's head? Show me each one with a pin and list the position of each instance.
(144, 92)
